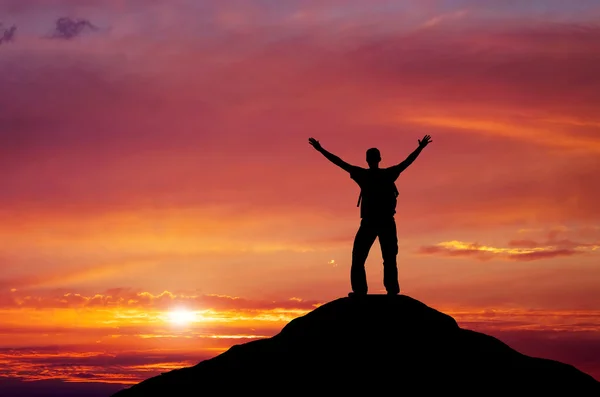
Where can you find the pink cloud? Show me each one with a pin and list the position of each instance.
(169, 113)
(139, 147)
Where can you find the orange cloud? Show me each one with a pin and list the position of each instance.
(545, 134)
(93, 366)
(128, 354)
(121, 298)
(518, 250)
(63, 276)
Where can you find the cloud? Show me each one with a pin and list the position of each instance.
(68, 274)
(112, 337)
(522, 319)
(451, 16)
(63, 155)
(57, 388)
(158, 143)
(561, 139)
(517, 250)
(128, 146)
(68, 28)
(562, 335)
(7, 34)
(53, 356)
(122, 298)
(143, 148)
(579, 349)
(126, 368)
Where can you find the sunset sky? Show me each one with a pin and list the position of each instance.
(159, 200)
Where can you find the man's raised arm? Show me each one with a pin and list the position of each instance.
(331, 157)
(413, 156)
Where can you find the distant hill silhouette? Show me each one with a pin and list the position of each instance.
(377, 344)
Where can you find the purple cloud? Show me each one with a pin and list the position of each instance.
(7, 35)
(67, 28)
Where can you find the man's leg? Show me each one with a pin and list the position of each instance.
(365, 237)
(388, 239)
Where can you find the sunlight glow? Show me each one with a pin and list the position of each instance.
(181, 316)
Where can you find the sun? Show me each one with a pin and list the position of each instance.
(181, 316)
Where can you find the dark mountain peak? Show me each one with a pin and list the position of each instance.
(366, 345)
(369, 315)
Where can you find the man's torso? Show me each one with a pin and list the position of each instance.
(378, 192)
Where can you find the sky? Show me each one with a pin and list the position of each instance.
(159, 200)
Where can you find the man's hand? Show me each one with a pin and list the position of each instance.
(425, 141)
(330, 156)
(314, 143)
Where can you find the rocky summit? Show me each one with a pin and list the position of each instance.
(370, 345)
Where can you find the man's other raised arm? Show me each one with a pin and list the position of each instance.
(413, 156)
(331, 157)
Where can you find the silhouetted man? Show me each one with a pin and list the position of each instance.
(377, 201)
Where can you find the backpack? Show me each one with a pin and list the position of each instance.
(396, 194)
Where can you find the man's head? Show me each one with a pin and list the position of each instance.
(373, 157)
